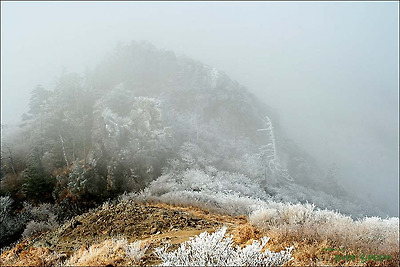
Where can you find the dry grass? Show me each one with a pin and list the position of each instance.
(244, 234)
(310, 241)
(109, 252)
(202, 213)
(312, 250)
(32, 256)
(323, 237)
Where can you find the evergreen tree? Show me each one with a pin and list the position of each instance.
(38, 185)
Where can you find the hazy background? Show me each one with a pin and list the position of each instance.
(329, 69)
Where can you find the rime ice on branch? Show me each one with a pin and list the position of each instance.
(273, 169)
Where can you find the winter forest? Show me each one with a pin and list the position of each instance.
(148, 132)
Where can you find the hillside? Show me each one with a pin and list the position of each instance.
(98, 238)
(178, 147)
(145, 112)
(151, 223)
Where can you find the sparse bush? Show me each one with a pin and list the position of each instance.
(216, 250)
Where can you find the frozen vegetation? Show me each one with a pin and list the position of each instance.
(217, 250)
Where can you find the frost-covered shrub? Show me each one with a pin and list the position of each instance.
(31, 220)
(222, 202)
(34, 227)
(301, 220)
(5, 207)
(42, 219)
(7, 220)
(304, 220)
(216, 250)
(191, 174)
(209, 180)
(42, 212)
(11, 224)
(109, 252)
(136, 251)
(227, 203)
(298, 193)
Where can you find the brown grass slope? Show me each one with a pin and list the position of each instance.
(156, 224)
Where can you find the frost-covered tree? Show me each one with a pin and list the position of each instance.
(39, 97)
(272, 168)
(130, 139)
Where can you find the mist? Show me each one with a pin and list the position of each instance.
(330, 70)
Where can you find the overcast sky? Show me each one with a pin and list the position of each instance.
(329, 69)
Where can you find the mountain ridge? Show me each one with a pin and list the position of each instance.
(164, 126)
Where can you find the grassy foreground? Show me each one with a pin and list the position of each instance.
(99, 236)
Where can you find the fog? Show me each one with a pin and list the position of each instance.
(329, 69)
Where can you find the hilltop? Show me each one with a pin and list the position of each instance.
(174, 147)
